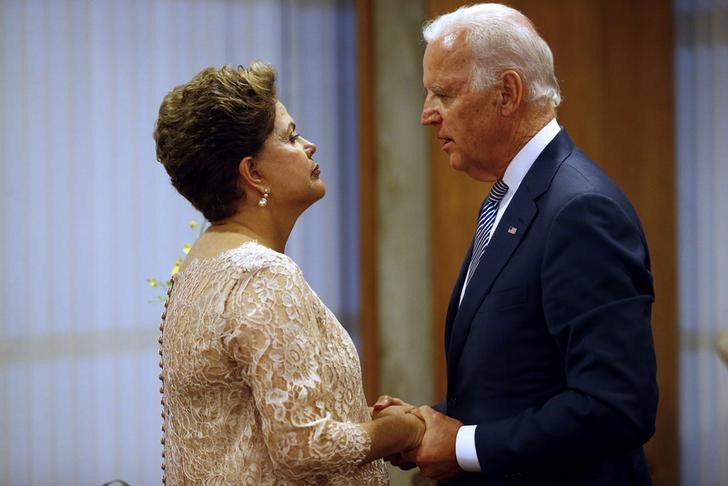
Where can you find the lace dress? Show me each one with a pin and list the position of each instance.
(261, 384)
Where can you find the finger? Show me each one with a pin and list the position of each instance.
(386, 401)
(382, 399)
(436, 474)
(427, 414)
(416, 412)
(393, 459)
(409, 456)
(397, 461)
(444, 474)
(426, 410)
(446, 478)
(427, 472)
(382, 402)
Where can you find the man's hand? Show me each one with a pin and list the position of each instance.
(398, 461)
(436, 454)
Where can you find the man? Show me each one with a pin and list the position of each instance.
(550, 358)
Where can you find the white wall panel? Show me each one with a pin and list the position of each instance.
(87, 214)
(701, 71)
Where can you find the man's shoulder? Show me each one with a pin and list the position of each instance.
(578, 174)
(579, 181)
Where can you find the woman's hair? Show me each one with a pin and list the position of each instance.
(500, 38)
(208, 125)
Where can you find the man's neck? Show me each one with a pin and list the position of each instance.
(528, 124)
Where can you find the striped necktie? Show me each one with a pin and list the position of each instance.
(485, 223)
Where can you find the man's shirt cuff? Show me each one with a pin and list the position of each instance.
(465, 451)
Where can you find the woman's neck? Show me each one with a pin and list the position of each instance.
(266, 233)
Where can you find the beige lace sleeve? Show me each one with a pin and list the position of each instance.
(303, 372)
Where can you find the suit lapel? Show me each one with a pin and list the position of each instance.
(506, 237)
(519, 215)
(452, 308)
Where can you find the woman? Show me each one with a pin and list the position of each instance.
(261, 384)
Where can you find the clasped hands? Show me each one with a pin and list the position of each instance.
(435, 456)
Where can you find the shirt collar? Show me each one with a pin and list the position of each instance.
(524, 159)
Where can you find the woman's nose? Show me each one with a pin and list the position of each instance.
(309, 147)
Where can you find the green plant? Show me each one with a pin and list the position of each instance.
(166, 284)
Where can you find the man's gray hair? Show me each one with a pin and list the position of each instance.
(500, 38)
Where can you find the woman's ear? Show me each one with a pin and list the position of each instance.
(250, 174)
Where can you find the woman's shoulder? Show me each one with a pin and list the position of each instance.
(238, 263)
(251, 257)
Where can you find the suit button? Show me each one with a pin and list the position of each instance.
(453, 401)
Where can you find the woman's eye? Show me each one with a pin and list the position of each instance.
(294, 137)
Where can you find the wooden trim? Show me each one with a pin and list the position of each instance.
(640, 51)
(456, 199)
(368, 321)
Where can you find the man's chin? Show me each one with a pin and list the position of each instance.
(456, 162)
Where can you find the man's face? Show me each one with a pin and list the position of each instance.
(465, 120)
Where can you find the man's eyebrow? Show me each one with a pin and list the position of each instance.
(438, 88)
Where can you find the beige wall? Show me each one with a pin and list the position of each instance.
(402, 207)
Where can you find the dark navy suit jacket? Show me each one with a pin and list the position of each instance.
(550, 352)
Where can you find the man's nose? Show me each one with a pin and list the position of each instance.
(429, 116)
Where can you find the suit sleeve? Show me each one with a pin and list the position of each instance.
(596, 297)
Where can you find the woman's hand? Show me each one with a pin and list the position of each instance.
(396, 427)
(391, 410)
(387, 406)
(385, 401)
(415, 430)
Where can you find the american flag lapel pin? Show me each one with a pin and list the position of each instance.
(512, 230)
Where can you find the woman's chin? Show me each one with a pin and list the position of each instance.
(321, 189)
(316, 195)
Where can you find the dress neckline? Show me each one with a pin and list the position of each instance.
(220, 256)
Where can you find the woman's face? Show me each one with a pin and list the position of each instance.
(286, 164)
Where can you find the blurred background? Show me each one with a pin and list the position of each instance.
(88, 214)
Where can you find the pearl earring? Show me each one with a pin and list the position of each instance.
(264, 199)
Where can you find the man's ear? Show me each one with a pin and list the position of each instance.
(250, 174)
(511, 92)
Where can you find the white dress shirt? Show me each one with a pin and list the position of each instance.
(465, 452)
